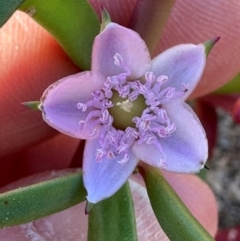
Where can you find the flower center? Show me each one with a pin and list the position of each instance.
(129, 111)
(124, 110)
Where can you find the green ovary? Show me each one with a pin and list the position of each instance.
(124, 110)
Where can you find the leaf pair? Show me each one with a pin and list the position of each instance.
(111, 219)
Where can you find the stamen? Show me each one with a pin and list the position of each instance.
(148, 125)
(170, 93)
(82, 106)
(105, 116)
(122, 147)
(110, 155)
(149, 139)
(124, 159)
(162, 79)
(118, 59)
(100, 154)
(93, 133)
(162, 163)
(185, 87)
(149, 76)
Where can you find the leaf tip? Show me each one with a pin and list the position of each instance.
(210, 44)
(88, 207)
(106, 19)
(34, 105)
(206, 167)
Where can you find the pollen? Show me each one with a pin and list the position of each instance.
(126, 105)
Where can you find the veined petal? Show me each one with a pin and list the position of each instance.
(103, 178)
(150, 154)
(117, 39)
(59, 102)
(186, 149)
(183, 64)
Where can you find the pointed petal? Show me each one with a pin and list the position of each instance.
(183, 64)
(117, 39)
(59, 102)
(150, 154)
(186, 150)
(103, 178)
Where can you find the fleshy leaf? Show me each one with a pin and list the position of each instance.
(232, 87)
(113, 218)
(174, 217)
(73, 23)
(7, 8)
(32, 202)
(149, 19)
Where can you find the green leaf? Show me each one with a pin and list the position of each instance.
(113, 218)
(7, 8)
(73, 23)
(232, 87)
(149, 19)
(29, 203)
(203, 174)
(174, 217)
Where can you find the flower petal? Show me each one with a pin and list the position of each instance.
(183, 64)
(59, 102)
(186, 149)
(105, 177)
(117, 39)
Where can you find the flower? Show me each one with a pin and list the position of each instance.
(130, 108)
